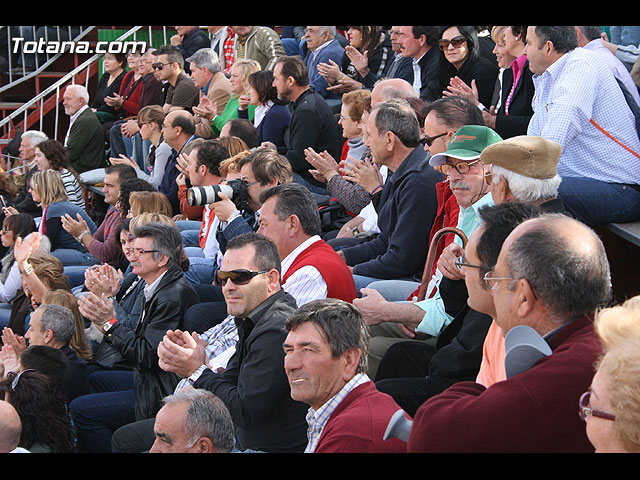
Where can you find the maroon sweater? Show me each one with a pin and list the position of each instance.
(358, 424)
(535, 411)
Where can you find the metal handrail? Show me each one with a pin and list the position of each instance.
(56, 87)
(39, 69)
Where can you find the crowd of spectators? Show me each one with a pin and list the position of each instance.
(328, 239)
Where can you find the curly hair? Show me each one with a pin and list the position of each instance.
(43, 412)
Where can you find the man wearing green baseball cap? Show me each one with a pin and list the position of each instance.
(461, 163)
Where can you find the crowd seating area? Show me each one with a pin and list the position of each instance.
(455, 209)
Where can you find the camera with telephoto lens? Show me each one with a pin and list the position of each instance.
(235, 190)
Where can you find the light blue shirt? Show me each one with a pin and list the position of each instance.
(436, 318)
(572, 91)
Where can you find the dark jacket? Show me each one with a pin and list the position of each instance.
(520, 109)
(163, 311)
(408, 207)
(86, 143)
(313, 124)
(254, 386)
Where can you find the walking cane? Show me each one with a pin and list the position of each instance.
(428, 266)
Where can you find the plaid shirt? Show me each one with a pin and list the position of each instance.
(318, 419)
(575, 89)
(220, 338)
(229, 49)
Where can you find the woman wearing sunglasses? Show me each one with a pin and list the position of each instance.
(460, 57)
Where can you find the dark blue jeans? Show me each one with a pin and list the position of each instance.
(598, 203)
(99, 414)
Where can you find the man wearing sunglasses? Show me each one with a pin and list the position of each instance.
(182, 93)
(253, 385)
(551, 276)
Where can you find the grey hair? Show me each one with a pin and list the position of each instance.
(59, 320)
(295, 199)
(341, 324)
(526, 189)
(35, 137)
(80, 91)
(206, 58)
(207, 416)
(569, 273)
(167, 240)
(397, 116)
(330, 29)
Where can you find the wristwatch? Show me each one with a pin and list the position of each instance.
(109, 325)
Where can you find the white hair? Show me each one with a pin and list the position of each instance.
(526, 189)
(80, 91)
(35, 137)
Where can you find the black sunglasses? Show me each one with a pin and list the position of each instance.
(429, 140)
(238, 277)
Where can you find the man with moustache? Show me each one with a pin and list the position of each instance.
(421, 320)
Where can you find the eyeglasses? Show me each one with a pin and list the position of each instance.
(238, 277)
(457, 42)
(461, 167)
(429, 140)
(142, 251)
(492, 282)
(14, 383)
(586, 410)
(461, 262)
(159, 65)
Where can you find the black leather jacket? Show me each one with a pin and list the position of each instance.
(164, 311)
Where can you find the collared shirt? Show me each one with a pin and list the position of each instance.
(417, 74)
(317, 419)
(436, 318)
(516, 66)
(317, 50)
(615, 64)
(575, 89)
(72, 119)
(306, 283)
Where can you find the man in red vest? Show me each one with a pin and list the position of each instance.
(311, 269)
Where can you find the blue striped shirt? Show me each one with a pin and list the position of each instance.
(572, 91)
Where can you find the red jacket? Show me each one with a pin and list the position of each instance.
(358, 424)
(535, 411)
(447, 216)
(335, 272)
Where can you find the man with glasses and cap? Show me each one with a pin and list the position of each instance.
(395, 321)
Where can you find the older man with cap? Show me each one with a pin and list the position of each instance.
(525, 169)
(467, 176)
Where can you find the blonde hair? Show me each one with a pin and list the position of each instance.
(79, 339)
(247, 67)
(497, 33)
(149, 202)
(49, 186)
(619, 329)
(234, 145)
(231, 164)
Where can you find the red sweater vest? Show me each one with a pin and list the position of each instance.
(335, 272)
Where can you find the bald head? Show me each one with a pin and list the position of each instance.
(391, 88)
(564, 262)
(10, 427)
